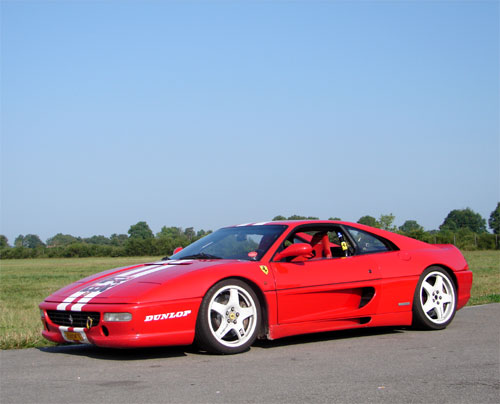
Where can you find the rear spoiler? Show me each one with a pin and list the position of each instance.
(453, 251)
(445, 246)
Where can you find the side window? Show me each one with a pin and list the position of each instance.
(327, 242)
(367, 243)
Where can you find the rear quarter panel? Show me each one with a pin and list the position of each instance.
(401, 271)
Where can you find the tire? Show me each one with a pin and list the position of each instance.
(229, 318)
(435, 300)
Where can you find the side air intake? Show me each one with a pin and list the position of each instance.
(366, 296)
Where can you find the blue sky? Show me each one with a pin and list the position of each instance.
(208, 114)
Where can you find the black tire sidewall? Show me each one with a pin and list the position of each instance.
(204, 336)
(420, 320)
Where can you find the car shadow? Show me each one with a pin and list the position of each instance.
(131, 354)
(328, 336)
(134, 354)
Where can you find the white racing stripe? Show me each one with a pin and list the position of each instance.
(66, 302)
(84, 300)
(173, 262)
(110, 283)
(251, 224)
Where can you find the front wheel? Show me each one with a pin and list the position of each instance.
(229, 318)
(434, 302)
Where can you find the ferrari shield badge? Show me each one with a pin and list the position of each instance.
(264, 269)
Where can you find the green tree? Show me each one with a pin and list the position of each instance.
(170, 232)
(62, 240)
(32, 241)
(295, 217)
(298, 217)
(368, 221)
(118, 239)
(334, 218)
(410, 226)
(18, 242)
(4, 242)
(385, 222)
(464, 219)
(136, 246)
(202, 233)
(171, 237)
(98, 240)
(494, 221)
(190, 233)
(164, 245)
(141, 231)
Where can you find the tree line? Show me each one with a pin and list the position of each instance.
(462, 227)
(140, 241)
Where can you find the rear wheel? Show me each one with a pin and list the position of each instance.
(229, 318)
(434, 302)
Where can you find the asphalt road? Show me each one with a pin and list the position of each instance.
(391, 365)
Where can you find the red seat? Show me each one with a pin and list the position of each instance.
(321, 245)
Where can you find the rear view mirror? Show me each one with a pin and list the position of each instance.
(295, 250)
(177, 250)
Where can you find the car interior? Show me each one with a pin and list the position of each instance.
(329, 242)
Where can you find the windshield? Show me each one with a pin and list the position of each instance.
(241, 243)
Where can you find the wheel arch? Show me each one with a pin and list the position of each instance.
(420, 317)
(449, 271)
(264, 324)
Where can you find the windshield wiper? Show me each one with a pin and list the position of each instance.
(201, 256)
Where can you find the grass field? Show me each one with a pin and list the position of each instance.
(25, 283)
(485, 266)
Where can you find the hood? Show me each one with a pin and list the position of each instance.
(129, 284)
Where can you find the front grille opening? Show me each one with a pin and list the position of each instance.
(105, 331)
(85, 319)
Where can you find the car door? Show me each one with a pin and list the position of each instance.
(325, 289)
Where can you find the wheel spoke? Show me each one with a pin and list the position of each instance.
(246, 312)
(446, 298)
(237, 328)
(428, 306)
(439, 311)
(439, 284)
(219, 308)
(234, 300)
(437, 300)
(428, 288)
(223, 329)
(232, 317)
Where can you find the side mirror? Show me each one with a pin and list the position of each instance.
(177, 250)
(295, 250)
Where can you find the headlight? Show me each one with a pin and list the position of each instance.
(117, 316)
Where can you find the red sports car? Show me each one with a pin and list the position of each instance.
(266, 280)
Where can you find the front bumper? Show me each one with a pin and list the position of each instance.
(152, 324)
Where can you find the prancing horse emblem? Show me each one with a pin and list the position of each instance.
(71, 319)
